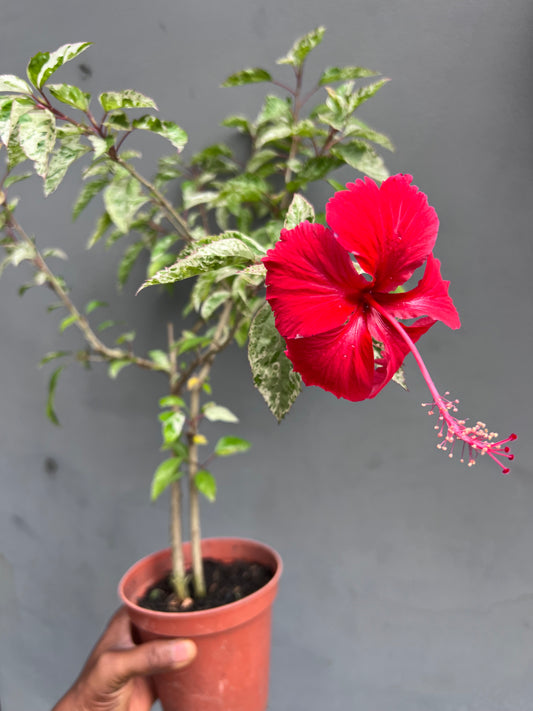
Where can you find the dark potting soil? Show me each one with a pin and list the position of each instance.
(225, 583)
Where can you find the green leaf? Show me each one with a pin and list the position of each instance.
(56, 253)
(24, 288)
(127, 337)
(307, 129)
(212, 303)
(255, 246)
(366, 92)
(67, 321)
(105, 325)
(206, 484)
(37, 137)
(52, 385)
(218, 413)
(332, 74)
(247, 76)
(399, 378)
(116, 366)
(71, 95)
(275, 110)
(399, 375)
(316, 168)
(160, 262)
(11, 109)
(191, 342)
(68, 130)
(118, 120)
(52, 356)
(173, 427)
(98, 169)
(357, 128)
(242, 188)
(15, 154)
(227, 446)
(169, 130)
(215, 157)
(20, 253)
(16, 110)
(103, 223)
(10, 82)
(362, 157)
(92, 305)
(172, 401)
(86, 194)
(301, 48)
(12, 179)
(69, 150)
(101, 145)
(128, 99)
(44, 64)
(166, 473)
(271, 369)
(299, 210)
(122, 198)
(6, 103)
(221, 253)
(273, 133)
(160, 358)
(192, 197)
(336, 185)
(127, 262)
(241, 123)
(169, 169)
(259, 159)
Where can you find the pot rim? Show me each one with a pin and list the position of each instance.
(269, 589)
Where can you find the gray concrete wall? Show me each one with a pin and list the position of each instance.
(409, 579)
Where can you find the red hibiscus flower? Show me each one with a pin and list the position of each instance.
(334, 294)
(325, 308)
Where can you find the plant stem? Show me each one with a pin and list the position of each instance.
(194, 503)
(216, 346)
(179, 580)
(295, 139)
(173, 216)
(109, 354)
(195, 385)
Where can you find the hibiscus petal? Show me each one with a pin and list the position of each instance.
(340, 361)
(395, 348)
(428, 298)
(391, 230)
(309, 278)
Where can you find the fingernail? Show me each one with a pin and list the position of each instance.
(183, 650)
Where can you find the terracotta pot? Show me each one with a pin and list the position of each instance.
(231, 669)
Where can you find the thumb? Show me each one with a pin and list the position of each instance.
(118, 666)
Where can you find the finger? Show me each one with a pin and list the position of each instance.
(115, 668)
(116, 634)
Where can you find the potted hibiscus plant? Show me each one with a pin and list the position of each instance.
(330, 314)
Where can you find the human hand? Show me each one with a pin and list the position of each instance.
(116, 676)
